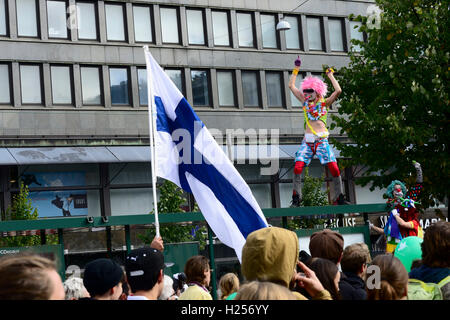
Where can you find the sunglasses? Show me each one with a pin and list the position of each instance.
(308, 91)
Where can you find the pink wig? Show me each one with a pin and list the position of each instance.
(316, 84)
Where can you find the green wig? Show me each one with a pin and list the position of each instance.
(390, 188)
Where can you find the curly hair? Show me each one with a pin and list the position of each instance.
(390, 188)
(315, 83)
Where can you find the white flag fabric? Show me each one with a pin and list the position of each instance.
(187, 154)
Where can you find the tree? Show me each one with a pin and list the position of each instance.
(394, 106)
(171, 200)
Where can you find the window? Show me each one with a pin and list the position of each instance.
(274, 89)
(3, 20)
(61, 84)
(27, 25)
(269, 36)
(118, 79)
(90, 86)
(336, 34)
(245, 29)
(294, 101)
(169, 25)
(200, 87)
(5, 91)
(57, 19)
(356, 34)
(30, 84)
(293, 34)
(221, 30)
(142, 24)
(115, 24)
(176, 76)
(86, 21)
(314, 33)
(142, 85)
(225, 83)
(195, 26)
(250, 88)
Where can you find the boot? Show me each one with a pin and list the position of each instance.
(295, 200)
(296, 193)
(339, 192)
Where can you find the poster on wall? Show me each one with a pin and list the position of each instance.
(58, 203)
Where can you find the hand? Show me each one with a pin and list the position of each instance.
(371, 225)
(309, 280)
(157, 244)
(298, 62)
(395, 212)
(329, 71)
(416, 164)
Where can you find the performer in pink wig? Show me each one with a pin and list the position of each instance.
(315, 142)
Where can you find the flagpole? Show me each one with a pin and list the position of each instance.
(152, 122)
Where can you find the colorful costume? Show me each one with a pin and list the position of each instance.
(315, 143)
(406, 207)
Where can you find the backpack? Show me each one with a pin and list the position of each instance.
(419, 290)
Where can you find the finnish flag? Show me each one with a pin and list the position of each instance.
(187, 154)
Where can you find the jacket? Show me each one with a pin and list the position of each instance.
(428, 275)
(271, 254)
(352, 287)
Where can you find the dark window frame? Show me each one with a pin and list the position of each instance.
(343, 36)
(97, 24)
(38, 22)
(230, 38)
(102, 89)
(152, 22)
(7, 29)
(252, 14)
(125, 21)
(277, 36)
(69, 31)
(282, 86)
(10, 86)
(129, 91)
(177, 10)
(41, 77)
(258, 86)
(72, 90)
(299, 34)
(322, 33)
(233, 79)
(183, 78)
(208, 74)
(205, 36)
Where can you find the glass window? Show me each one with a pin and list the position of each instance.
(26, 18)
(57, 19)
(336, 39)
(225, 83)
(274, 89)
(294, 101)
(86, 21)
(250, 87)
(245, 29)
(142, 24)
(200, 87)
(314, 33)
(142, 84)
(176, 76)
(118, 79)
(5, 91)
(169, 25)
(356, 34)
(115, 24)
(61, 85)
(90, 85)
(195, 26)
(269, 36)
(293, 34)
(2, 18)
(30, 84)
(221, 29)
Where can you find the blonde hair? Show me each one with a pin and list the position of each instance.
(354, 256)
(228, 284)
(257, 290)
(25, 276)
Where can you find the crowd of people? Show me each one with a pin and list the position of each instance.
(272, 266)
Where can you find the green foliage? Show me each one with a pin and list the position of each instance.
(170, 201)
(312, 195)
(395, 101)
(22, 209)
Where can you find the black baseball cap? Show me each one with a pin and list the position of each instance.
(144, 262)
(101, 275)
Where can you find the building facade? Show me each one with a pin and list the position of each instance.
(73, 97)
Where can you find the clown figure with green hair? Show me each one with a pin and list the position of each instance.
(312, 95)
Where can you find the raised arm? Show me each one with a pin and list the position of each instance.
(336, 86)
(297, 93)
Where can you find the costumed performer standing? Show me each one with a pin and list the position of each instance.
(315, 142)
(404, 211)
